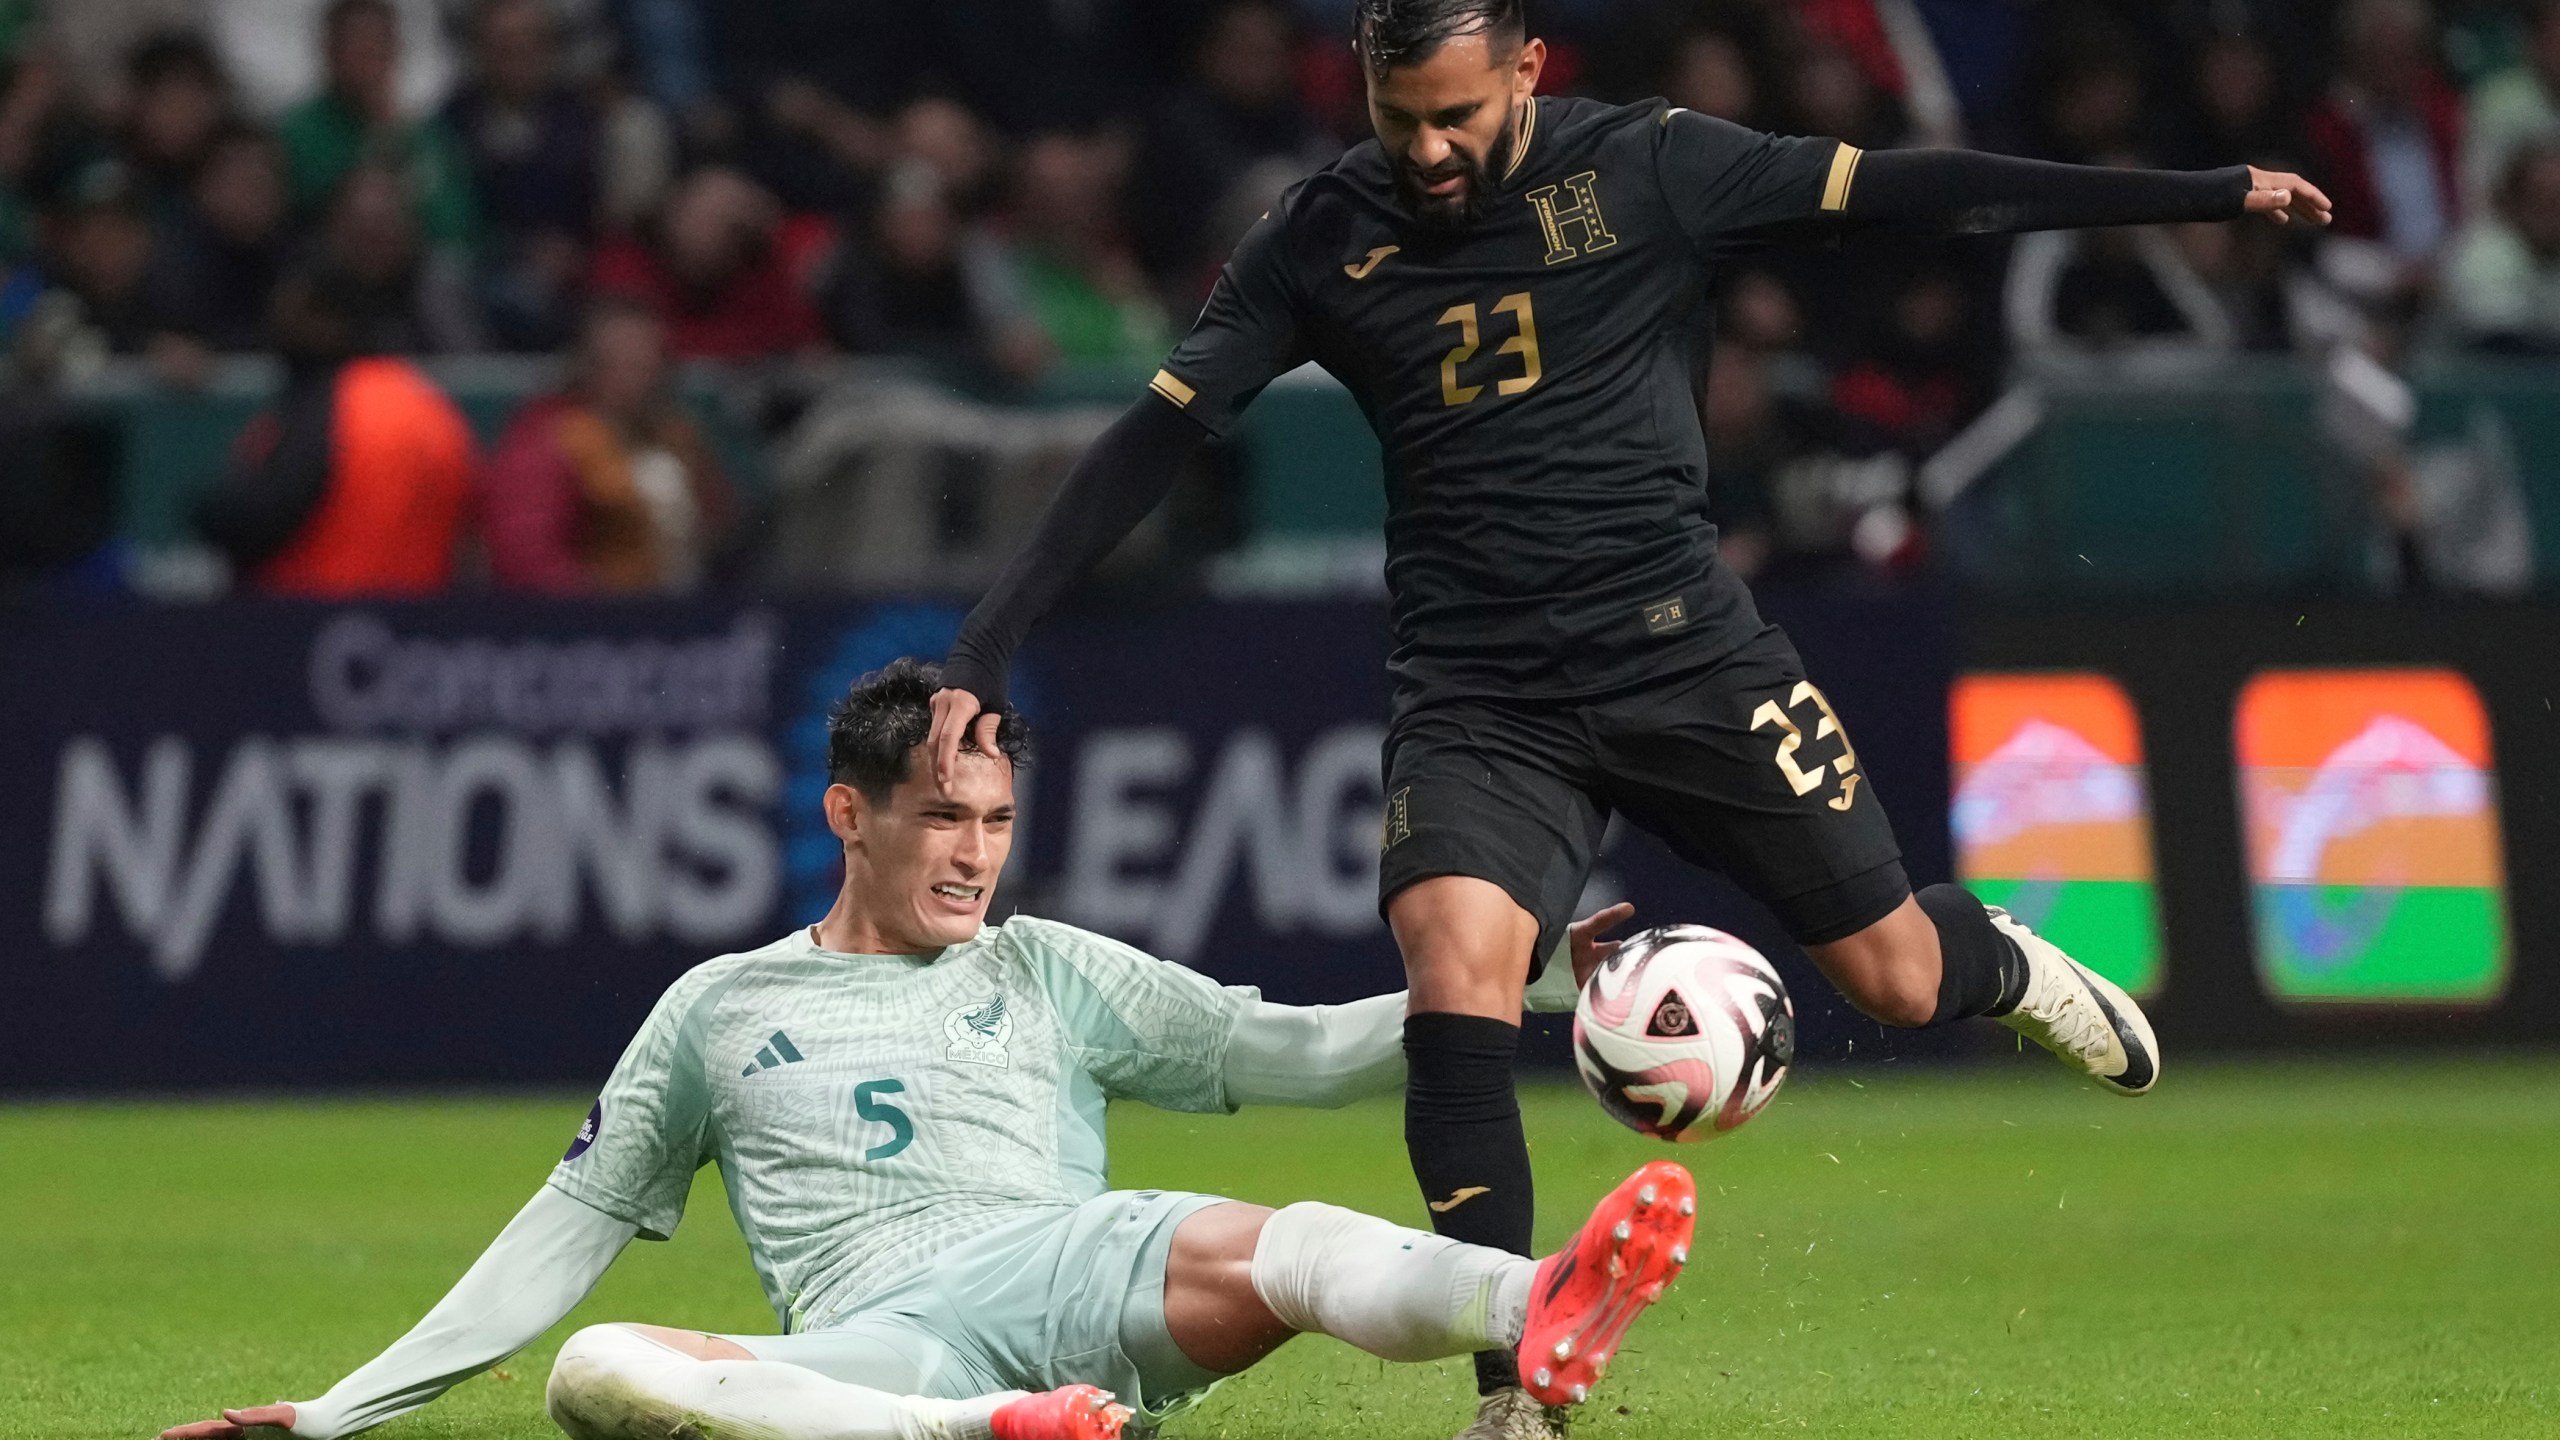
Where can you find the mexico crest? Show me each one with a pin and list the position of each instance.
(977, 1033)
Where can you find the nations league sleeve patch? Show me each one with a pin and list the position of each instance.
(586, 1136)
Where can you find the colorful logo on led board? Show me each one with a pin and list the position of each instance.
(2052, 815)
(2370, 803)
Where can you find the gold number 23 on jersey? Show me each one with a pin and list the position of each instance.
(1800, 779)
(1523, 344)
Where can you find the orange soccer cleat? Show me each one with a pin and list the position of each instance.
(1587, 1294)
(1073, 1412)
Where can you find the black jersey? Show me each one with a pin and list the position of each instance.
(1531, 381)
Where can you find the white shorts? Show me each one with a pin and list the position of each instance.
(1061, 1297)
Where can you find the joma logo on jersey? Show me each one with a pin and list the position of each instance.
(1581, 216)
(977, 1034)
(1361, 270)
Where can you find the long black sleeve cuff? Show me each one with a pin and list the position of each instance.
(1126, 474)
(1966, 192)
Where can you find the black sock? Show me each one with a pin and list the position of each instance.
(1980, 970)
(1462, 1128)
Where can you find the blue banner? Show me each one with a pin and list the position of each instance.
(268, 844)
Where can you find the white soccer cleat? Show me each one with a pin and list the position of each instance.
(2080, 1015)
(1513, 1414)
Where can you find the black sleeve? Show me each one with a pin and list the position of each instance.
(1246, 337)
(1721, 179)
(262, 500)
(1126, 474)
(1966, 192)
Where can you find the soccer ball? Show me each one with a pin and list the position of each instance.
(1683, 1033)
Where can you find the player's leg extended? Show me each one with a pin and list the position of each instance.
(1241, 1280)
(1943, 955)
(646, 1382)
(1748, 768)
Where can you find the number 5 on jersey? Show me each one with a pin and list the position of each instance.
(1524, 344)
(902, 1131)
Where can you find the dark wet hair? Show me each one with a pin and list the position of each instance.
(1403, 32)
(872, 731)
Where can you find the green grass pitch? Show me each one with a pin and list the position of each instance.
(2269, 1250)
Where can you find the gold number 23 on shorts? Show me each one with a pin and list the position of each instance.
(1800, 779)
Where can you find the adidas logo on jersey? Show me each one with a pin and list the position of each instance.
(772, 1055)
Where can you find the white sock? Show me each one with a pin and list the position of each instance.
(613, 1383)
(1398, 1294)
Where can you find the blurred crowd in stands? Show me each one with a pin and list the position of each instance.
(1008, 190)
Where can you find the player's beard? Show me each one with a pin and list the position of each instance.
(1477, 202)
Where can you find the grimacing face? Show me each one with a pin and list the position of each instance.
(922, 866)
(1447, 121)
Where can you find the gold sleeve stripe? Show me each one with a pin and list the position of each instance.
(1174, 390)
(1844, 173)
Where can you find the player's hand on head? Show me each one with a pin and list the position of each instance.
(1588, 948)
(254, 1421)
(953, 711)
(2285, 197)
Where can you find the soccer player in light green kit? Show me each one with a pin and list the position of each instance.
(907, 1107)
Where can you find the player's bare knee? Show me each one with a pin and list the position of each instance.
(1461, 919)
(1888, 986)
(1889, 970)
(1466, 945)
(1465, 983)
(1902, 996)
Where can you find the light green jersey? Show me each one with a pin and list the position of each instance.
(870, 1111)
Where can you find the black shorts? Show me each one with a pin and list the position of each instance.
(1740, 766)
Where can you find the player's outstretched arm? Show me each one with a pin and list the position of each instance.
(1126, 474)
(1324, 1056)
(534, 1273)
(1245, 337)
(1969, 192)
(1316, 1056)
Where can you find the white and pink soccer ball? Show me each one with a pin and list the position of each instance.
(1683, 1033)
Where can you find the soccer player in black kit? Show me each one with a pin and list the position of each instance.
(1509, 284)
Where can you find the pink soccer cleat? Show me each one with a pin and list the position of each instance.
(1586, 1295)
(1072, 1412)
